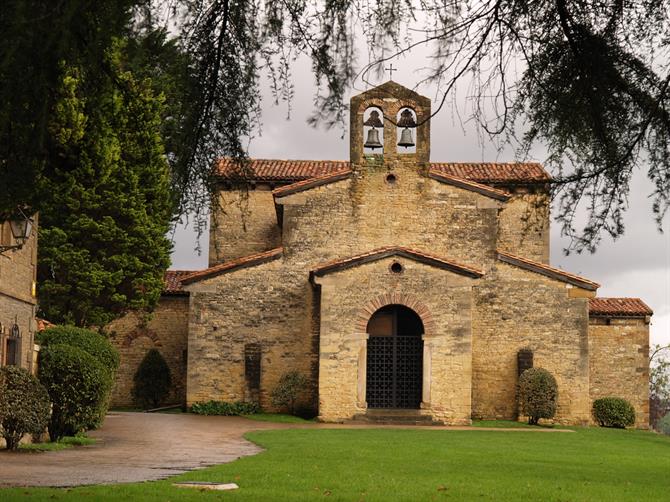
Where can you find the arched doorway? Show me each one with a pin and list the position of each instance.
(394, 358)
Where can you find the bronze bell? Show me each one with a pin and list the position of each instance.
(373, 139)
(406, 139)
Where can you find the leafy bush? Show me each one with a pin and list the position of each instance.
(24, 405)
(664, 424)
(223, 408)
(613, 412)
(538, 394)
(90, 341)
(152, 380)
(289, 391)
(94, 344)
(78, 385)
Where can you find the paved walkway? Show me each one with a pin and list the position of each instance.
(135, 447)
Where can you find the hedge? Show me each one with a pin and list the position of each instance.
(152, 380)
(224, 408)
(538, 394)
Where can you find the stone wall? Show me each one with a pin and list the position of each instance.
(524, 225)
(166, 330)
(244, 223)
(18, 270)
(619, 362)
(350, 297)
(517, 309)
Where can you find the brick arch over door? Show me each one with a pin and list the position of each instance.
(395, 298)
(140, 332)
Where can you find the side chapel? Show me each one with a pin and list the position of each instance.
(399, 286)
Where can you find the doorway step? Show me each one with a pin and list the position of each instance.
(384, 416)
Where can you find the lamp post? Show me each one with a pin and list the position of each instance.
(21, 227)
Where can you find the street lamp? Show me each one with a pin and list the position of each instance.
(21, 227)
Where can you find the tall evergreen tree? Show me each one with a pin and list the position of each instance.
(104, 218)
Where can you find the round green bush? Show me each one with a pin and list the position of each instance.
(78, 385)
(613, 412)
(24, 405)
(96, 345)
(90, 341)
(152, 380)
(289, 391)
(538, 394)
(664, 425)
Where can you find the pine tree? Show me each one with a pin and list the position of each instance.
(104, 218)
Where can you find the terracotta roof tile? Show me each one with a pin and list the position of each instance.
(378, 254)
(228, 266)
(494, 172)
(554, 273)
(172, 280)
(618, 307)
(298, 170)
(299, 186)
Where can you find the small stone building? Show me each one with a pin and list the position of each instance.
(399, 286)
(18, 269)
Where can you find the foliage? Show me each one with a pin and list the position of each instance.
(538, 394)
(664, 425)
(589, 80)
(24, 405)
(224, 408)
(659, 383)
(90, 341)
(103, 248)
(613, 412)
(78, 385)
(94, 344)
(289, 391)
(152, 380)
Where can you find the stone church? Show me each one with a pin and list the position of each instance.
(397, 285)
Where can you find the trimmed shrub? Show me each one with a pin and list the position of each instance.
(223, 408)
(24, 405)
(538, 394)
(78, 385)
(613, 412)
(289, 391)
(90, 341)
(96, 345)
(664, 424)
(152, 380)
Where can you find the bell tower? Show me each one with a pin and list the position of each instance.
(389, 124)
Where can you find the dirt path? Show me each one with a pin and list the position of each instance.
(135, 447)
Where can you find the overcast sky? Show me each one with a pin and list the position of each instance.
(636, 265)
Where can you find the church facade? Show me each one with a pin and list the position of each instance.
(398, 286)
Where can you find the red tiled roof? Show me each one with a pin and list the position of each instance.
(378, 254)
(228, 266)
(470, 185)
(554, 273)
(297, 170)
(299, 186)
(618, 307)
(494, 172)
(43, 324)
(278, 170)
(172, 280)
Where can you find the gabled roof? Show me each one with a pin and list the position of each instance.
(546, 270)
(172, 280)
(385, 252)
(300, 186)
(287, 171)
(229, 266)
(470, 185)
(619, 307)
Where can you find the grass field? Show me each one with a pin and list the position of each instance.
(418, 465)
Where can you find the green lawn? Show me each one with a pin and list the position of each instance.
(279, 418)
(62, 444)
(421, 465)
